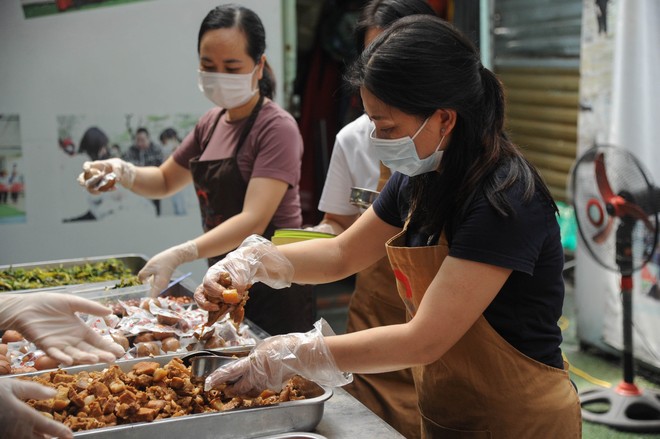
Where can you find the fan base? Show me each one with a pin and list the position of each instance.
(625, 407)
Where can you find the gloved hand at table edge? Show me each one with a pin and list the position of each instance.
(276, 359)
(255, 260)
(49, 320)
(158, 270)
(92, 177)
(20, 421)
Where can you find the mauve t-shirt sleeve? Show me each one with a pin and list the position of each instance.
(280, 151)
(190, 146)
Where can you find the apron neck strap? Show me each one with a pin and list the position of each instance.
(249, 124)
(246, 129)
(206, 141)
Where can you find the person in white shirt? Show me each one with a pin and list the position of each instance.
(375, 301)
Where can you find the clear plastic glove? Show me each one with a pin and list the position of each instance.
(278, 358)
(158, 270)
(255, 260)
(100, 175)
(19, 420)
(49, 320)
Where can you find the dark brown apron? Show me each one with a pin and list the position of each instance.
(376, 302)
(482, 387)
(221, 190)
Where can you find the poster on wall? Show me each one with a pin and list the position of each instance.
(12, 180)
(144, 140)
(40, 8)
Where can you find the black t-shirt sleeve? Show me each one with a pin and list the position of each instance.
(392, 204)
(513, 242)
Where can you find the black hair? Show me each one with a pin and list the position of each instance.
(421, 64)
(169, 133)
(247, 21)
(142, 130)
(92, 142)
(382, 13)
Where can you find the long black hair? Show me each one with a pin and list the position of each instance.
(421, 64)
(247, 21)
(381, 13)
(93, 142)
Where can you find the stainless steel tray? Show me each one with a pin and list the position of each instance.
(133, 261)
(302, 415)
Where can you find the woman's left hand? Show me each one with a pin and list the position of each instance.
(49, 320)
(278, 358)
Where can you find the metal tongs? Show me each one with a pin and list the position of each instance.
(203, 362)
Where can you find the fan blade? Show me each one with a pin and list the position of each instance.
(627, 208)
(602, 236)
(601, 178)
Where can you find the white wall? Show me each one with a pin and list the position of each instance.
(138, 58)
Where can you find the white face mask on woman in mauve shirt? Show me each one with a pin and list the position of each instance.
(227, 90)
(401, 155)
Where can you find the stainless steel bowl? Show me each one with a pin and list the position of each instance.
(362, 197)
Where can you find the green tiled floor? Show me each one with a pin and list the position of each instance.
(593, 365)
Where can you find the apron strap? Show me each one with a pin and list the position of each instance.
(206, 141)
(249, 124)
(246, 129)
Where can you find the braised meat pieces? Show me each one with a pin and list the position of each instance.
(89, 400)
(226, 300)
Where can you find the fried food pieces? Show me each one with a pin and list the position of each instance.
(225, 300)
(89, 400)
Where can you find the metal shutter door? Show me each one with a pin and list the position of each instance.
(536, 55)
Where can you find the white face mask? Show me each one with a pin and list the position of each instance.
(401, 155)
(227, 90)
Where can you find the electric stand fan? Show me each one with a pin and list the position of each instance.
(616, 208)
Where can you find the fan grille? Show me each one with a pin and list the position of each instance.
(600, 221)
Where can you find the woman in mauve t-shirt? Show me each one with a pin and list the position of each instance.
(244, 158)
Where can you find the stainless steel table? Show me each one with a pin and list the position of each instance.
(344, 417)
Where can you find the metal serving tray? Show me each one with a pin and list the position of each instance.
(134, 262)
(302, 415)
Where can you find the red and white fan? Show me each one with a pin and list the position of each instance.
(616, 207)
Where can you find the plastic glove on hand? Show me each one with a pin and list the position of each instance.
(278, 358)
(49, 320)
(255, 260)
(101, 175)
(158, 270)
(19, 420)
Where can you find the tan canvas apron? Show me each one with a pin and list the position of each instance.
(482, 387)
(221, 190)
(376, 302)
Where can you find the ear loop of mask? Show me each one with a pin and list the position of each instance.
(441, 140)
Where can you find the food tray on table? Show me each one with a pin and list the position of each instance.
(77, 275)
(133, 320)
(298, 415)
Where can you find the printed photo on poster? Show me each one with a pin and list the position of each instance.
(12, 180)
(142, 140)
(40, 8)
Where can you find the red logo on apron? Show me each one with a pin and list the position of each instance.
(404, 280)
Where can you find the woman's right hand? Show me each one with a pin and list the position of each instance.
(255, 260)
(101, 175)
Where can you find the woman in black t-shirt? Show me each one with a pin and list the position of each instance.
(471, 233)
